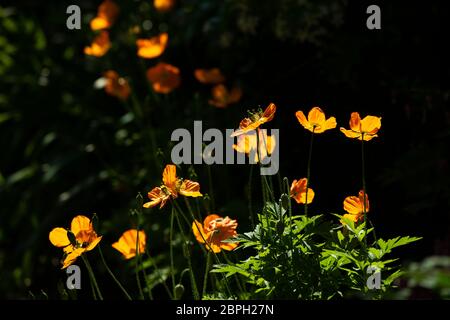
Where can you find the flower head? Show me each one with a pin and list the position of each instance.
(255, 120)
(298, 191)
(116, 86)
(100, 46)
(355, 207)
(153, 47)
(127, 243)
(214, 231)
(164, 77)
(247, 143)
(85, 239)
(209, 76)
(222, 97)
(365, 129)
(163, 5)
(107, 13)
(172, 186)
(316, 122)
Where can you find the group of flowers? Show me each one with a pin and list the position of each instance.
(163, 77)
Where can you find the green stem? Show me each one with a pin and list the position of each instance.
(158, 271)
(205, 278)
(172, 269)
(364, 185)
(250, 209)
(308, 171)
(112, 274)
(92, 276)
(138, 280)
(211, 189)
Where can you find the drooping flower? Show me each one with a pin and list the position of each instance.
(107, 14)
(85, 239)
(255, 120)
(355, 207)
(316, 122)
(153, 47)
(247, 143)
(127, 243)
(298, 191)
(222, 97)
(172, 186)
(163, 5)
(164, 77)
(209, 76)
(214, 231)
(365, 129)
(116, 86)
(100, 46)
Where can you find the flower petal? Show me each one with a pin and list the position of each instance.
(355, 122)
(80, 223)
(71, 257)
(370, 125)
(316, 117)
(303, 121)
(58, 237)
(170, 177)
(352, 205)
(351, 134)
(190, 188)
(93, 244)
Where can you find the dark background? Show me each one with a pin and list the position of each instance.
(66, 148)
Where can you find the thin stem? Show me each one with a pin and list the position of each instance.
(205, 278)
(172, 269)
(138, 280)
(92, 276)
(250, 209)
(364, 185)
(112, 274)
(211, 189)
(158, 271)
(308, 171)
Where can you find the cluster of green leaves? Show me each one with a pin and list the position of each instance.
(302, 257)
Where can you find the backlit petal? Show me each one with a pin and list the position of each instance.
(355, 122)
(80, 223)
(371, 124)
(72, 257)
(190, 188)
(316, 116)
(58, 237)
(350, 133)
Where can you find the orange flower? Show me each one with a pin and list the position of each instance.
(222, 97)
(127, 243)
(365, 129)
(153, 47)
(214, 231)
(85, 239)
(298, 191)
(355, 207)
(99, 46)
(106, 15)
(163, 5)
(172, 186)
(164, 77)
(247, 143)
(116, 86)
(256, 119)
(316, 121)
(209, 76)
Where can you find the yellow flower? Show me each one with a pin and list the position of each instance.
(153, 47)
(316, 121)
(366, 128)
(127, 243)
(256, 119)
(214, 231)
(99, 46)
(209, 76)
(247, 143)
(298, 191)
(222, 97)
(355, 207)
(85, 239)
(163, 5)
(116, 86)
(172, 186)
(106, 15)
(164, 77)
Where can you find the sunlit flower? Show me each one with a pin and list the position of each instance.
(316, 121)
(247, 143)
(255, 120)
(298, 191)
(99, 46)
(85, 239)
(172, 186)
(355, 207)
(106, 15)
(222, 97)
(163, 5)
(366, 128)
(127, 243)
(153, 47)
(214, 231)
(116, 86)
(209, 76)
(164, 77)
